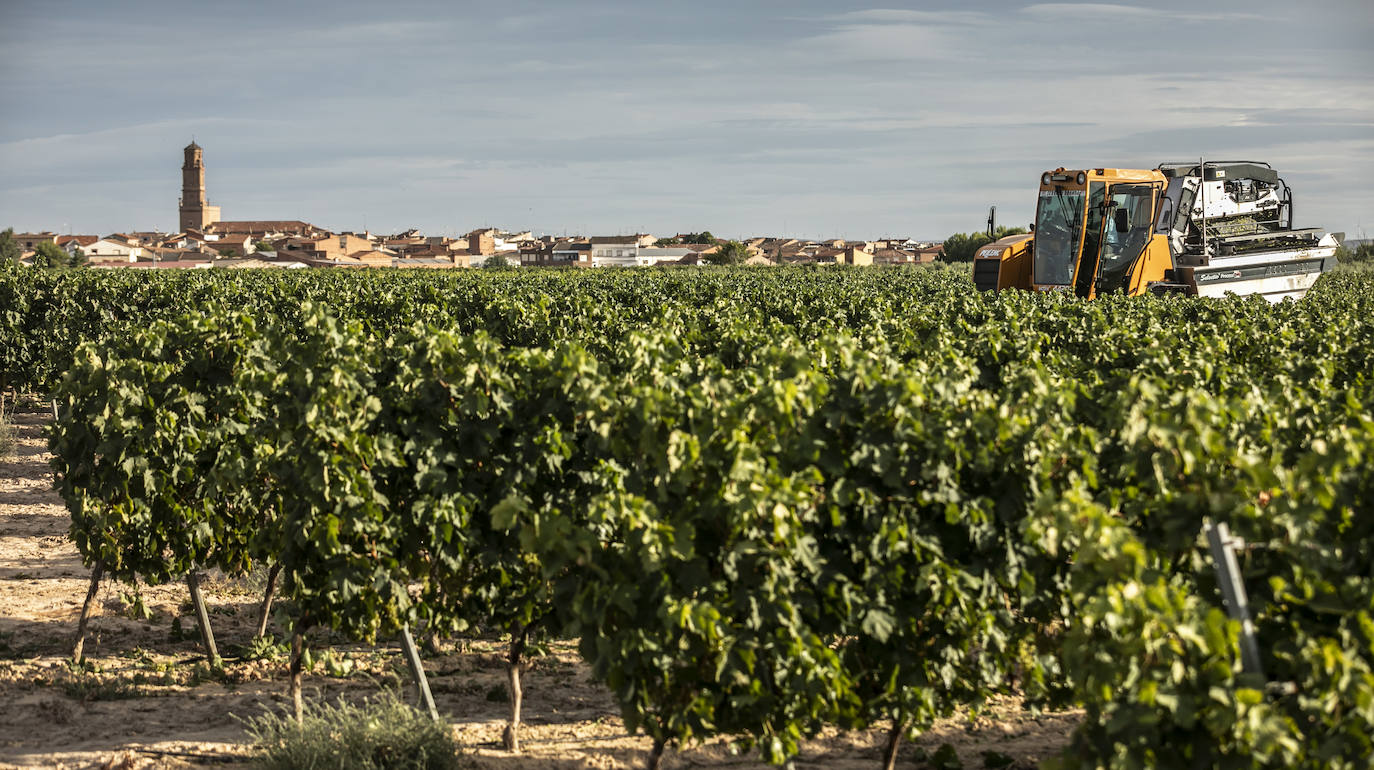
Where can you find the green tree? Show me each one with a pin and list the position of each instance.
(730, 253)
(702, 237)
(1364, 252)
(497, 260)
(961, 247)
(9, 249)
(50, 256)
(77, 259)
(264, 246)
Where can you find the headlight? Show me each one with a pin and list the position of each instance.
(1082, 178)
(1045, 178)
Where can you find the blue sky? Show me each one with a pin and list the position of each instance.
(803, 118)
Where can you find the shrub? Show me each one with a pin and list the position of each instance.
(1362, 253)
(960, 247)
(7, 440)
(380, 734)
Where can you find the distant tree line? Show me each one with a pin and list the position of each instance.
(47, 255)
(961, 247)
(729, 253)
(9, 248)
(702, 237)
(1363, 252)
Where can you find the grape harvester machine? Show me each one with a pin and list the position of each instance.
(1205, 229)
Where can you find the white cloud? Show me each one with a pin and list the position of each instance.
(1090, 10)
(904, 16)
(878, 42)
(129, 146)
(378, 33)
(1115, 12)
(890, 34)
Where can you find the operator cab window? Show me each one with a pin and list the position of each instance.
(1125, 232)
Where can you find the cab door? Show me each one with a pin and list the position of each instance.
(1127, 225)
(1085, 277)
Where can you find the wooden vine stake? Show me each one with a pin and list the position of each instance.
(656, 754)
(207, 634)
(417, 669)
(80, 644)
(266, 611)
(297, 651)
(511, 736)
(894, 739)
(1223, 546)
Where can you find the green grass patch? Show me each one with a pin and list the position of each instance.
(383, 733)
(93, 687)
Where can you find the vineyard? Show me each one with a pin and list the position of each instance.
(762, 503)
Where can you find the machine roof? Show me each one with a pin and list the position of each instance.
(1226, 169)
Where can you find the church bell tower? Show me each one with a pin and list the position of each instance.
(195, 211)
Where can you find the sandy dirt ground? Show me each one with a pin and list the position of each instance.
(145, 697)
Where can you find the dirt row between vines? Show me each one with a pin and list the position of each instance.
(147, 699)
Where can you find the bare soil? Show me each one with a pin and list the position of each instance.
(146, 698)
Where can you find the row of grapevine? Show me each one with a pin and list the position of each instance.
(846, 518)
(46, 316)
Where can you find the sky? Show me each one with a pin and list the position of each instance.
(809, 118)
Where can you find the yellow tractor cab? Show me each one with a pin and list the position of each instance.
(1207, 229)
(1093, 234)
